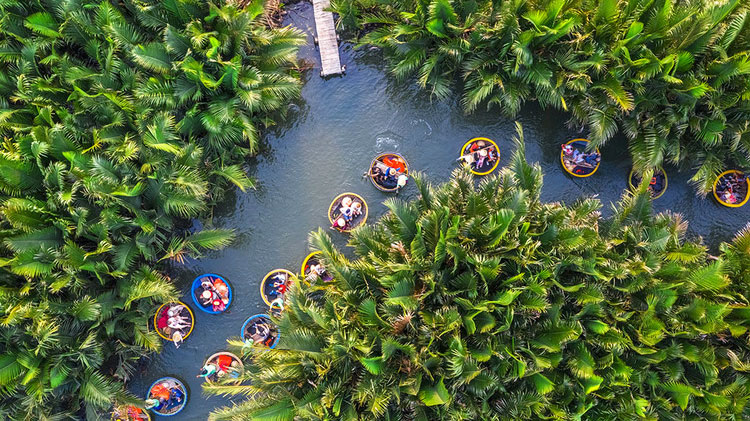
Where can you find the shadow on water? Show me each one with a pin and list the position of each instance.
(323, 148)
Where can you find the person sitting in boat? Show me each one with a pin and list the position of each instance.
(731, 184)
(177, 314)
(161, 394)
(402, 180)
(491, 154)
(222, 290)
(175, 397)
(479, 163)
(277, 305)
(347, 213)
(340, 223)
(205, 298)
(155, 404)
(218, 305)
(279, 286)
(206, 292)
(656, 184)
(175, 309)
(280, 278)
(475, 149)
(177, 338)
(729, 197)
(395, 163)
(260, 334)
(572, 157)
(178, 323)
(377, 175)
(226, 365)
(391, 175)
(568, 150)
(592, 159)
(318, 269)
(736, 182)
(356, 209)
(208, 370)
(161, 322)
(346, 208)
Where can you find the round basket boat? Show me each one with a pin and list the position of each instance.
(250, 327)
(311, 260)
(161, 316)
(657, 186)
(270, 287)
(731, 188)
(219, 297)
(228, 365)
(129, 413)
(481, 154)
(385, 171)
(335, 212)
(173, 392)
(578, 169)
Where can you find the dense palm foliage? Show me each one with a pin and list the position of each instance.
(674, 76)
(484, 303)
(119, 121)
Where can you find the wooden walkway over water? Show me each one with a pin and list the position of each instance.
(327, 42)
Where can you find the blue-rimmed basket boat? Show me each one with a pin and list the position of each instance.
(275, 334)
(170, 410)
(212, 277)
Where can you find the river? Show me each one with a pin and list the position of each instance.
(322, 149)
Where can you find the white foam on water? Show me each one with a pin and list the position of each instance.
(386, 142)
(419, 121)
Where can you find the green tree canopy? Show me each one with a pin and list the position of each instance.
(478, 301)
(119, 122)
(673, 76)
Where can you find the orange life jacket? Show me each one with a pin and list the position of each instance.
(159, 391)
(224, 362)
(395, 164)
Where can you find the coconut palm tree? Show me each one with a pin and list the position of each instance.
(480, 301)
(120, 122)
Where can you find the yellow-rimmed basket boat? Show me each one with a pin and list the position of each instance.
(334, 212)
(229, 366)
(165, 331)
(267, 289)
(657, 186)
(385, 171)
(581, 169)
(736, 183)
(481, 154)
(313, 259)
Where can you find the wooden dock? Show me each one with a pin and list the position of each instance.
(329, 46)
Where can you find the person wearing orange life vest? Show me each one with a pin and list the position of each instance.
(395, 163)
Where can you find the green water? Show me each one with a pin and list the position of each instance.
(323, 148)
